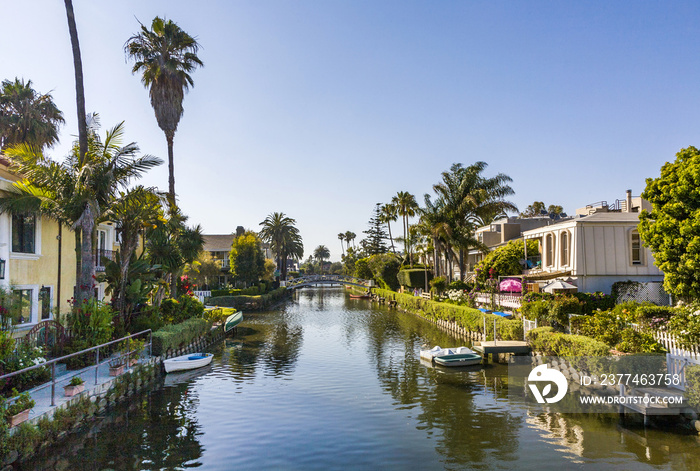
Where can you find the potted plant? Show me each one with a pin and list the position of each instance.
(136, 347)
(18, 411)
(116, 366)
(76, 386)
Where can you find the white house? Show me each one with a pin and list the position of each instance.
(598, 247)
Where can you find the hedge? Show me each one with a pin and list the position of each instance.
(414, 277)
(544, 340)
(177, 335)
(238, 302)
(469, 318)
(692, 392)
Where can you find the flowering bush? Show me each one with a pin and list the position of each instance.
(685, 325)
(24, 357)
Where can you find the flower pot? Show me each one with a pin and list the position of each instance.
(19, 418)
(72, 390)
(116, 370)
(133, 361)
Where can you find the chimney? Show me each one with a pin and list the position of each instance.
(628, 202)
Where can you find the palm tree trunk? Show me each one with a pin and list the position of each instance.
(79, 89)
(461, 263)
(391, 239)
(169, 135)
(435, 257)
(86, 282)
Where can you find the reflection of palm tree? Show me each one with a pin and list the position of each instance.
(165, 55)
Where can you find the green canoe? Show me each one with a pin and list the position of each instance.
(233, 320)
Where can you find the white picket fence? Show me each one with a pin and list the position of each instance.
(506, 300)
(201, 295)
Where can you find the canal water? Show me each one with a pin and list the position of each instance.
(329, 382)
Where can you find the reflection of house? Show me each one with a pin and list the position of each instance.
(598, 247)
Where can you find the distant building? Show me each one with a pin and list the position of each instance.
(219, 246)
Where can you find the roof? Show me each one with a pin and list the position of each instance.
(218, 242)
(611, 217)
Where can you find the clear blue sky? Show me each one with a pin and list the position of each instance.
(320, 109)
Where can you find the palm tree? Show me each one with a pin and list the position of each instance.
(27, 116)
(79, 88)
(341, 238)
(284, 239)
(350, 237)
(387, 215)
(320, 253)
(133, 212)
(165, 55)
(78, 191)
(406, 206)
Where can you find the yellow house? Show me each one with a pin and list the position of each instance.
(38, 261)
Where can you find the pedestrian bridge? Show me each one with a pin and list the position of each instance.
(313, 280)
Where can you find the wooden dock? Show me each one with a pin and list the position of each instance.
(514, 347)
(651, 409)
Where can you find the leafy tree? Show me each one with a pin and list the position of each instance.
(533, 210)
(204, 270)
(555, 209)
(321, 252)
(247, 261)
(284, 238)
(504, 260)
(27, 116)
(336, 268)
(385, 270)
(269, 270)
(374, 244)
(362, 269)
(165, 55)
(672, 229)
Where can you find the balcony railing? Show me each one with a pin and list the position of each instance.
(100, 257)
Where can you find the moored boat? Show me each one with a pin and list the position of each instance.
(437, 351)
(232, 321)
(359, 296)
(458, 359)
(187, 362)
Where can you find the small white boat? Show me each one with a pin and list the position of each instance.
(459, 359)
(187, 362)
(430, 355)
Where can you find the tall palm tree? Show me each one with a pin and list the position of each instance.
(341, 238)
(406, 206)
(78, 191)
(165, 55)
(284, 239)
(79, 88)
(350, 237)
(27, 116)
(387, 215)
(320, 253)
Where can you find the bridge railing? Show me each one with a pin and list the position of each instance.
(311, 279)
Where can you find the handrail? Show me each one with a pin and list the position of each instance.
(53, 362)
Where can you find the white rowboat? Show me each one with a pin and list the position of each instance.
(187, 362)
(429, 355)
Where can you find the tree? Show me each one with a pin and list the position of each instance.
(165, 55)
(341, 238)
(284, 238)
(204, 271)
(672, 229)
(504, 260)
(79, 88)
(77, 192)
(387, 216)
(247, 261)
(321, 252)
(555, 209)
(406, 206)
(350, 237)
(27, 116)
(374, 244)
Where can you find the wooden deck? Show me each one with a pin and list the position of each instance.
(514, 347)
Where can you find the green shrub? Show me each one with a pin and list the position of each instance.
(632, 341)
(414, 277)
(537, 310)
(91, 321)
(385, 268)
(692, 391)
(362, 269)
(469, 318)
(548, 342)
(438, 284)
(149, 318)
(459, 285)
(177, 335)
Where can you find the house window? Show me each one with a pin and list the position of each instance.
(45, 303)
(636, 246)
(23, 233)
(550, 250)
(21, 306)
(564, 247)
